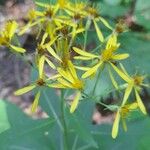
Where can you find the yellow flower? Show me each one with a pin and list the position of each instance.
(134, 83)
(50, 11)
(122, 114)
(7, 35)
(46, 19)
(75, 23)
(63, 3)
(63, 51)
(52, 18)
(75, 102)
(67, 32)
(75, 17)
(34, 18)
(43, 52)
(69, 79)
(77, 8)
(121, 26)
(38, 84)
(93, 14)
(107, 55)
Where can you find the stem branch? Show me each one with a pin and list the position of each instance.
(65, 141)
(96, 82)
(53, 111)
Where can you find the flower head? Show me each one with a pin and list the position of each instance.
(7, 35)
(69, 77)
(93, 14)
(108, 55)
(133, 83)
(38, 85)
(70, 80)
(122, 114)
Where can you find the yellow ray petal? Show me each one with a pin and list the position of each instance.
(132, 106)
(120, 56)
(124, 124)
(75, 102)
(11, 28)
(53, 53)
(66, 22)
(84, 53)
(65, 74)
(80, 30)
(105, 23)
(73, 32)
(24, 90)
(113, 80)
(35, 102)
(18, 49)
(69, 12)
(112, 42)
(127, 93)
(54, 77)
(82, 58)
(65, 83)
(92, 70)
(82, 68)
(140, 103)
(123, 69)
(56, 85)
(115, 127)
(72, 70)
(29, 25)
(45, 5)
(62, 3)
(56, 8)
(51, 42)
(50, 63)
(41, 66)
(99, 33)
(25, 28)
(121, 74)
(44, 38)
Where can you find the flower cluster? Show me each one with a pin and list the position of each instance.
(58, 27)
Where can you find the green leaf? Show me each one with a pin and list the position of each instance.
(22, 131)
(79, 123)
(115, 11)
(142, 13)
(114, 2)
(138, 48)
(137, 130)
(50, 103)
(4, 122)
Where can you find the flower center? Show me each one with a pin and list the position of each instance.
(93, 12)
(49, 13)
(40, 50)
(78, 84)
(124, 112)
(40, 82)
(138, 80)
(77, 17)
(107, 55)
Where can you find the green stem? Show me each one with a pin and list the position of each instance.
(65, 140)
(52, 110)
(86, 32)
(96, 82)
(70, 44)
